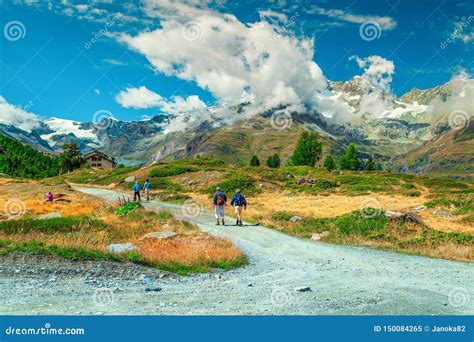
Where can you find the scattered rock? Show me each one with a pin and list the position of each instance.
(50, 216)
(289, 175)
(130, 179)
(394, 214)
(152, 288)
(420, 208)
(296, 218)
(440, 212)
(250, 285)
(191, 182)
(217, 276)
(302, 289)
(316, 237)
(324, 233)
(158, 236)
(301, 181)
(121, 247)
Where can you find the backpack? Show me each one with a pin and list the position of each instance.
(239, 201)
(220, 199)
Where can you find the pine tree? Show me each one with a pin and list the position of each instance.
(351, 159)
(254, 161)
(329, 163)
(370, 165)
(70, 158)
(308, 149)
(274, 161)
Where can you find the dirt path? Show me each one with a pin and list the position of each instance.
(343, 280)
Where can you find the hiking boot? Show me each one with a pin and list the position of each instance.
(223, 223)
(217, 223)
(237, 223)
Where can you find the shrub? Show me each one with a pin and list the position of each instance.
(329, 163)
(126, 208)
(274, 161)
(351, 159)
(234, 182)
(254, 161)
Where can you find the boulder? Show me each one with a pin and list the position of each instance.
(316, 237)
(130, 179)
(158, 235)
(394, 214)
(50, 216)
(122, 247)
(324, 233)
(289, 175)
(301, 180)
(296, 218)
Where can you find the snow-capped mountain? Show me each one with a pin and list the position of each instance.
(378, 121)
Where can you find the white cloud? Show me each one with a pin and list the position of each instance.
(139, 98)
(231, 59)
(385, 23)
(16, 116)
(376, 80)
(142, 98)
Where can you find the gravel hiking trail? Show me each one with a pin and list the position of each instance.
(341, 280)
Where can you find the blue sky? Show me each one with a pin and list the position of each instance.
(70, 59)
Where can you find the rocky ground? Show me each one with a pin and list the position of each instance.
(286, 276)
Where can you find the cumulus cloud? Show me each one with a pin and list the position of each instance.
(18, 117)
(138, 98)
(262, 60)
(377, 98)
(143, 98)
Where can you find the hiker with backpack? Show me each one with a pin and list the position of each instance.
(219, 199)
(239, 202)
(147, 187)
(136, 192)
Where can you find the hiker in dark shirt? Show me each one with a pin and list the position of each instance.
(219, 199)
(239, 202)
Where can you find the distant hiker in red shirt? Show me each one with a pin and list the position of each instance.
(49, 197)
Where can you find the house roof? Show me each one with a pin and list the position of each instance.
(98, 153)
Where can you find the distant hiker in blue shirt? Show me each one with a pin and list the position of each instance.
(147, 187)
(136, 192)
(219, 199)
(239, 202)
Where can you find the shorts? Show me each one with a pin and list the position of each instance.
(238, 209)
(219, 211)
(147, 190)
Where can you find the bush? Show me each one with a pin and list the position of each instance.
(329, 163)
(126, 208)
(234, 182)
(254, 161)
(412, 193)
(274, 161)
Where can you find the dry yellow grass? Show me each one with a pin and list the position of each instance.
(190, 247)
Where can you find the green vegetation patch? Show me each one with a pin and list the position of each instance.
(234, 182)
(127, 208)
(52, 225)
(174, 169)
